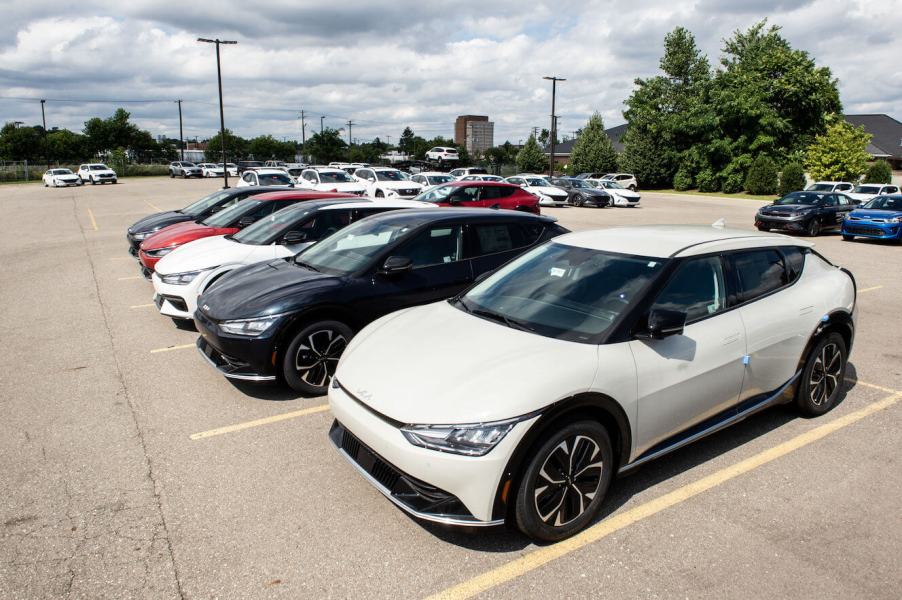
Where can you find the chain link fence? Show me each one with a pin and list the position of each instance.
(24, 171)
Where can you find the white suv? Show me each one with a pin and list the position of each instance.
(330, 179)
(830, 186)
(442, 154)
(586, 357)
(627, 180)
(385, 182)
(266, 176)
(97, 173)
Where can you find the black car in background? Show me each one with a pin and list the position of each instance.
(807, 213)
(582, 193)
(196, 211)
(290, 319)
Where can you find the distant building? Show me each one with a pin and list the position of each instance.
(474, 132)
(562, 150)
(886, 137)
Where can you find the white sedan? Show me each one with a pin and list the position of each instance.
(660, 335)
(210, 169)
(385, 182)
(60, 178)
(620, 196)
(267, 177)
(540, 187)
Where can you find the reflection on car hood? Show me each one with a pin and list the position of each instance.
(160, 219)
(451, 360)
(207, 253)
(547, 190)
(266, 288)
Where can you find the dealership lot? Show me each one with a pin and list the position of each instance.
(132, 469)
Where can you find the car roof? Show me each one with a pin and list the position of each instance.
(480, 182)
(284, 194)
(666, 241)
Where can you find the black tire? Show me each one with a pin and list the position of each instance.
(93, 181)
(823, 375)
(171, 175)
(814, 228)
(632, 188)
(564, 499)
(577, 200)
(848, 238)
(379, 194)
(317, 346)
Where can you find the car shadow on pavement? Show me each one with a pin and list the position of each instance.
(623, 488)
(278, 392)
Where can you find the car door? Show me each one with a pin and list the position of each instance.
(687, 378)
(777, 315)
(466, 197)
(844, 207)
(438, 270)
(829, 211)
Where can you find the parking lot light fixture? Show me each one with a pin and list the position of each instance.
(218, 42)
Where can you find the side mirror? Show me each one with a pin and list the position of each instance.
(294, 237)
(245, 221)
(396, 264)
(664, 323)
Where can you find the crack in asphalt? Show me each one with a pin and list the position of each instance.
(132, 410)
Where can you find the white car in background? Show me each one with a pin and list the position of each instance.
(464, 171)
(97, 173)
(495, 178)
(385, 182)
(60, 178)
(869, 191)
(620, 196)
(267, 177)
(431, 178)
(660, 335)
(627, 180)
(830, 186)
(540, 187)
(442, 154)
(211, 170)
(183, 274)
(330, 179)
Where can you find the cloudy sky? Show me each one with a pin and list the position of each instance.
(404, 63)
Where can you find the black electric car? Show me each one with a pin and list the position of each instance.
(290, 319)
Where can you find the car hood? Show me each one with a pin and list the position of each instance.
(70, 176)
(211, 252)
(786, 208)
(181, 233)
(450, 366)
(870, 213)
(400, 185)
(624, 192)
(160, 219)
(547, 190)
(266, 288)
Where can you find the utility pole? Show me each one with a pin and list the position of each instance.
(535, 133)
(303, 130)
(44, 121)
(553, 80)
(217, 41)
(321, 119)
(181, 135)
(350, 124)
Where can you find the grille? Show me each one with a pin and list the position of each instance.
(864, 230)
(350, 444)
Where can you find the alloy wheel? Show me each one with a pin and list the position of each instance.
(825, 375)
(568, 480)
(318, 355)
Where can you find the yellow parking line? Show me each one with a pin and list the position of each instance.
(142, 305)
(537, 558)
(131, 278)
(153, 206)
(93, 220)
(875, 386)
(870, 289)
(169, 348)
(257, 422)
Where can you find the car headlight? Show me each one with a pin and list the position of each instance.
(249, 327)
(181, 278)
(894, 220)
(470, 440)
(145, 234)
(159, 252)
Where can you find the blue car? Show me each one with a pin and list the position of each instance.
(881, 218)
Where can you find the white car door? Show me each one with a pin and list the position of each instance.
(686, 378)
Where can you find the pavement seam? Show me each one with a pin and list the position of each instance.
(130, 403)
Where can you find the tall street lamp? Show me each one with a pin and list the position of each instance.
(217, 41)
(553, 81)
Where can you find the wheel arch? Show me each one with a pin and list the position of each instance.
(591, 405)
(301, 319)
(840, 321)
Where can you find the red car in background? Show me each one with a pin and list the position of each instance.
(227, 221)
(486, 194)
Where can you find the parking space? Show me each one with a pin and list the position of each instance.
(132, 469)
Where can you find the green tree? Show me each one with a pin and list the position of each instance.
(593, 150)
(266, 147)
(531, 159)
(235, 146)
(762, 177)
(840, 154)
(326, 146)
(879, 172)
(21, 143)
(792, 178)
(406, 142)
(65, 146)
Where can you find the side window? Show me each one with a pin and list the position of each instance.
(795, 261)
(760, 272)
(434, 246)
(263, 210)
(465, 194)
(247, 177)
(516, 181)
(830, 200)
(489, 239)
(891, 189)
(697, 288)
(326, 223)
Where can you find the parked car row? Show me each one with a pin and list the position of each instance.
(658, 335)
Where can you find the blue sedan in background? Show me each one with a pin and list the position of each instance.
(880, 218)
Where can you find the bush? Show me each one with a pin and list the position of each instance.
(879, 172)
(762, 177)
(682, 181)
(732, 183)
(707, 181)
(792, 179)
(146, 170)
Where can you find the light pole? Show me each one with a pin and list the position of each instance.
(321, 119)
(553, 80)
(217, 41)
(181, 135)
(44, 121)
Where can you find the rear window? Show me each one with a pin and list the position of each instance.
(760, 273)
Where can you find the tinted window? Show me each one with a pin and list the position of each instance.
(831, 200)
(465, 194)
(493, 192)
(697, 288)
(434, 246)
(760, 272)
(795, 261)
(493, 238)
(325, 223)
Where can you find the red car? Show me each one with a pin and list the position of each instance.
(227, 221)
(487, 194)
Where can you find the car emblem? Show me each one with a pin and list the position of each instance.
(365, 394)
(205, 308)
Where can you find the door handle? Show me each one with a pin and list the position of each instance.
(733, 337)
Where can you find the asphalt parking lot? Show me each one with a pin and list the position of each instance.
(132, 469)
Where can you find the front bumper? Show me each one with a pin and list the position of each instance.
(178, 301)
(870, 229)
(553, 201)
(243, 358)
(147, 261)
(795, 224)
(434, 486)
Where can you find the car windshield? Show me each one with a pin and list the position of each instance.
(199, 207)
(334, 177)
(563, 291)
(352, 248)
(227, 216)
(270, 228)
(436, 194)
(885, 203)
(274, 179)
(867, 189)
(99, 168)
(61, 172)
(612, 185)
(389, 176)
(800, 198)
(187, 164)
(577, 183)
(536, 181)
(820, 187)
(439, 179)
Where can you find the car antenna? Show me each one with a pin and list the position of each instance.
(719, 223)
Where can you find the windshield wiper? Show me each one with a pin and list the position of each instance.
(306, 265)
(512, 323)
